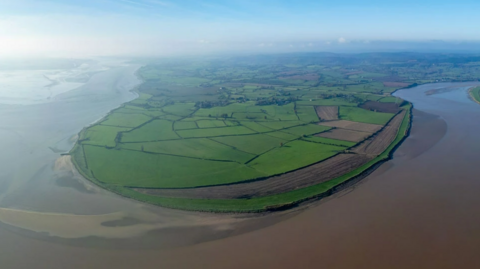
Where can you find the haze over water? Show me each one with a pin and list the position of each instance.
(422, 204)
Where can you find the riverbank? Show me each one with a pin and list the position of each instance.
(475, 94)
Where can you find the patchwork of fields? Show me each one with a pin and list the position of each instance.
(245, 137)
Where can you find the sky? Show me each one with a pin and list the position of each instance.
(189, 27)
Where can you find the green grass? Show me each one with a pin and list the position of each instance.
(329, 141)
(255, 144)
(326, 102)
(218, 111)
(180, 125)
(125, 120)
(211, 132)
(307, 114)
(101, 135)
(140, 169)
(202, 148)
(362, 115)
(262, 203)
(180, 109)
(389, 99)
(277, 125)
(292, 156)
(283, 135)
(475, 93)
(152, 131)
(165, 141)
(210, 123)
(308, 129)
(256, 126)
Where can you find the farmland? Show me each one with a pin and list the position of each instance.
(251, 134)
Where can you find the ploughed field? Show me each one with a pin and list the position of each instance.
(199, 144)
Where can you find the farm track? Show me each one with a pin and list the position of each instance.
(327, 112)
(329, 169)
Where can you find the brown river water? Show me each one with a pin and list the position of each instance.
(418, 210)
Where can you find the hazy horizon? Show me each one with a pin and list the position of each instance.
(88, 28)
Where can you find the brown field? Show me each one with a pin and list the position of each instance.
(381, 107)
(380, 141)
(395, 84)
(352, 125)
(312, 175)
(344, 134)
(327, 112)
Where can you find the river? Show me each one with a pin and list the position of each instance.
(417, 210)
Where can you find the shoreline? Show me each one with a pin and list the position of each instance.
(470, 93)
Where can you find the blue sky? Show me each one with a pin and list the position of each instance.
(163, 27)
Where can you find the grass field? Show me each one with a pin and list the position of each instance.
(119, 167)
(475, 93)
(102, 135)
(362, 115)
(256, 144)
(212, 124)
(266, 202)
(201, 148)
(152, 131)
(292, 156)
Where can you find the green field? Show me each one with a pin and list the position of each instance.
(475, 93)
(206, 123)
(292, 156)
(363, 115)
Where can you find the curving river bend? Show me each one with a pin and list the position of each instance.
(418, 210)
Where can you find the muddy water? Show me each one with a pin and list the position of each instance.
(418, 210)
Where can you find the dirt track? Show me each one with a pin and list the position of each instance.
(378, 143)
(312, 175)
(327, 112)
